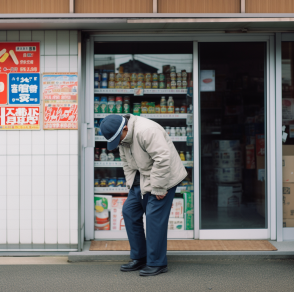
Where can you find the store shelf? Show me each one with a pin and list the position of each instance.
(148, 116)
(165, 116)
(108, 164)
(173, 138)
(119, 190)
(120, 163)
(171, 234)
(146, 91)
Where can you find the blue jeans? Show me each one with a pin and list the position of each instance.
(157, 212)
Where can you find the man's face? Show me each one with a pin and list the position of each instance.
(124, 133)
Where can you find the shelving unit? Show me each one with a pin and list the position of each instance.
(119, 190)
(149, 116)
(146, 91)
(173, 138)
(120, 163)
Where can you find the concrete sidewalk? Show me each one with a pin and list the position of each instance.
(285, 249)
(222, 274)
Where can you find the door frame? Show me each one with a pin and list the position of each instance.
(266, 233)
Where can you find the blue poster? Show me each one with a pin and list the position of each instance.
(24, 88)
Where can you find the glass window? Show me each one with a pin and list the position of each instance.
(288, 132)
(232, 92)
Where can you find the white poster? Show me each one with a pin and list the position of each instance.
(207, 80)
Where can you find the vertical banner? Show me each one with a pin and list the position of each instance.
(60, 97)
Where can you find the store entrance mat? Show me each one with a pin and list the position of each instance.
(191, 245)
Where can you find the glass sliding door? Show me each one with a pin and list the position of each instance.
(232, 135)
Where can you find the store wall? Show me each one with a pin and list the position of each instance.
(269, 6)
(34, 6)
(199, 6)
(113, 6)
(39, 169)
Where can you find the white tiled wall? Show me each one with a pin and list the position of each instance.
(39, 169)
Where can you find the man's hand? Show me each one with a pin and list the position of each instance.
(160, 197)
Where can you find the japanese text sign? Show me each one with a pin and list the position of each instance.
(3, 88)
(19, 57)
(60, 86)
(24, 88)
(60, 116)
(19, 118)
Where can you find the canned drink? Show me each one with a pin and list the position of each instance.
(154, 77)
(140, 84)
(118, 84)
(161, 84)
(157, 109)
(148, 84)
(104, 84)
(179, 74)
(134, 77)
(112, 76)
(173, 84)
(179, 84)
(118, 77)
(112, 182)
(184, 84)
(155, 84)
(104, 76)
(126, 84)
(96, 84)
(173, 75)
(133, 84)
(111, 84)
(136, 109)
(140, 76)
(148, 77)
(168, 84)
(126, 77)
(161, 77)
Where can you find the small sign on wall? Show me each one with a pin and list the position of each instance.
(207, 80)
(24, 88)
(19, 118)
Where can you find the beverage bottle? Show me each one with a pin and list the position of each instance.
(126, 105)
(103, 155)
(96, 155)
(183, 131)
(182, 156)
(170, 101)
(103, 105)
(96, 104)
(167, 129)
(189, 136)
(163, 107)
(96, 126)
(188, 156)
(172, 131)
(119, 104)
(189, 131)
(111, 105)
(110, 156)
(178, 131)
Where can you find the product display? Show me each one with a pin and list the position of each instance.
(104, 156)
(172, 80)
(112, 104)
(107, 182)
(176, 224)
(117, 220)
(177, 208)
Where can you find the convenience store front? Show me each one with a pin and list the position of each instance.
(216, 97)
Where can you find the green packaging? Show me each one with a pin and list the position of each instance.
(102, 202)
(188, 201)
(189, 220)
(136, 109)
(126, 108)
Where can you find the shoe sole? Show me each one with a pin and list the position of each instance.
(154, 274)
(131, 270)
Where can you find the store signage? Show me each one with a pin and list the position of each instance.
(3, 88)
(19, 57)
(19, 118)
(207, 80)
(24, 88)
(60, 86)
(60, 116)
(138, 92)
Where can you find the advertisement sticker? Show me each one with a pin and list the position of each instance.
(3, 88)
(60, 116)
(19, 118)
(24, 88)
(19, 57)
(207, 80)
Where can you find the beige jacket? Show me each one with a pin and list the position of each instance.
(149, 149)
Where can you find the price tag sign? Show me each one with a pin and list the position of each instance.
(138, 92)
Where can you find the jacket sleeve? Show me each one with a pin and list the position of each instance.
(127, 170)
(154, 143)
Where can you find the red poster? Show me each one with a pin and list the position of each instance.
(3, 88)
(19, 118)
(60, 116)
(19, 57)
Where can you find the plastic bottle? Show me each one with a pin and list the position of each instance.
(167, 129)
(103, 155)
(172, 131)
(96, 104)
(178, 131)
(189, 131)
(119, 104)
(189, 136)
(126, 105)
(110, 156)
(188, 156)
(182, 156)
(163, 107)
(183, 131)
(170, 101)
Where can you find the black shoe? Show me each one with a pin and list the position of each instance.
(133, 265)
(153, 271)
